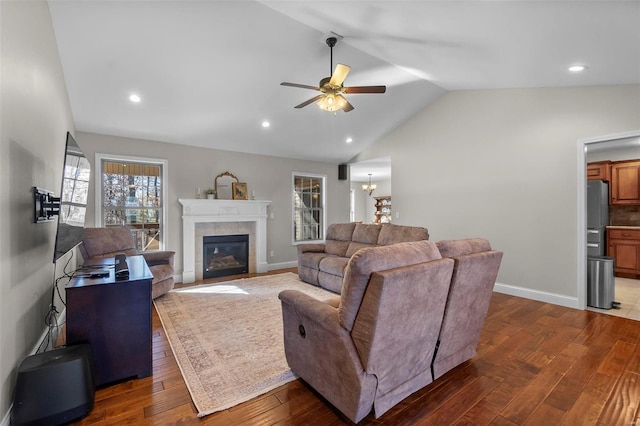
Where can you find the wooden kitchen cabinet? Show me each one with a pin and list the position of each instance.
(599, 170)
(625, 183)
(624, 246)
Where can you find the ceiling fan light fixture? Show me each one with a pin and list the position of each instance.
(332, 102)
(328, 103)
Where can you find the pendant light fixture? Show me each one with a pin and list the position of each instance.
(369, 187)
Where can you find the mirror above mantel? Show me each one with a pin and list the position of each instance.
(224, 185)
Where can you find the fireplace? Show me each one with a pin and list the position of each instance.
(224, 255)
(222, 217)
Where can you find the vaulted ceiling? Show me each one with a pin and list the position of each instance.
(209, 72)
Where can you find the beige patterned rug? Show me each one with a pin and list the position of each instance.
(227, 337)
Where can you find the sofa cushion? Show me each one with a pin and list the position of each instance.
(454, 248)
(340, 231)
(312, 259)
(374, 259)
(393, 234)
(336, 247)
(364, 235)
(354, 247)
(330, 282)
(334, 265)
(338, 238)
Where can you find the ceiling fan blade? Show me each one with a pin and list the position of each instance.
(301, 86)
(339, 74)
(365, 89)
(310, 101)
(347, 107)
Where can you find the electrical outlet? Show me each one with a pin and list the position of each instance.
(271, 253)
(271, 215)
(397, 215)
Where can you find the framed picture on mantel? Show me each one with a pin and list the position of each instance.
(239, 191)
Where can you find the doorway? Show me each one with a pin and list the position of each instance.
(613, 148)
(363, 201)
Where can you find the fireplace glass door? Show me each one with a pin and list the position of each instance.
(225, 255)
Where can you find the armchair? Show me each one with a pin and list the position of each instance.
(373, 345)
(107, 242)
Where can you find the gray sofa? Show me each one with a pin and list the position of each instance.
(324, 264)
(407, 314)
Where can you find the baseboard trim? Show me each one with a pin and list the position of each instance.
(282, 265)
(540, 296)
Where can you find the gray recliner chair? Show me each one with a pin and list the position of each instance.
(373, 345)
(112, 240)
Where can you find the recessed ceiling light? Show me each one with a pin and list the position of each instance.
(349, 140)
(134, 98)
(266, 124)
(577, 68)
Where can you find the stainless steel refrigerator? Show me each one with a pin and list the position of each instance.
(597, 217)
(600, 268)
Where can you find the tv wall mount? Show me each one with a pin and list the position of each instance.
(45, 205)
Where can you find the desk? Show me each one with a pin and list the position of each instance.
(114, 318)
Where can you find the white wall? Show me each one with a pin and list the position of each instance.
(34, 118)
(502, 164)
(193, 167)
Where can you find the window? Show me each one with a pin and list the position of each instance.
(308, 207)
(75, 189)
(132, 193)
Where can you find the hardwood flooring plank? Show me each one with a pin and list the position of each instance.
(526, 402)
(617, 359)
(585, 411)
(501, 421)
(545, 415)
(623, 405)
(461, 402)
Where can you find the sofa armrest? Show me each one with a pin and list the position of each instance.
(321, 352)
(158, 257)
(316, 248)
(315, 310)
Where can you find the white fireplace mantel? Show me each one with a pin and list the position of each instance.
(206, 211)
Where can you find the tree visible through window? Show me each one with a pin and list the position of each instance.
(132, 196)
(308, 207)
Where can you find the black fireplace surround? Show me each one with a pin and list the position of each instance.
(224, 255)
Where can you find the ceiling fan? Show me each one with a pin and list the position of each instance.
(331, 98)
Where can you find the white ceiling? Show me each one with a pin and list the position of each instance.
(209, 72)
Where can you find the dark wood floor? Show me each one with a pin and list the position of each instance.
(537, 364)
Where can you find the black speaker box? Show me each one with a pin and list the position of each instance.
(342, 171)
(54, 387)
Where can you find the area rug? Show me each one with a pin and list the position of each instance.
(227, 337)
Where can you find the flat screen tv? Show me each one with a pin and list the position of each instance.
(73, 199)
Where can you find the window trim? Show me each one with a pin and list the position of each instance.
(323, 178)
(99, 157)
